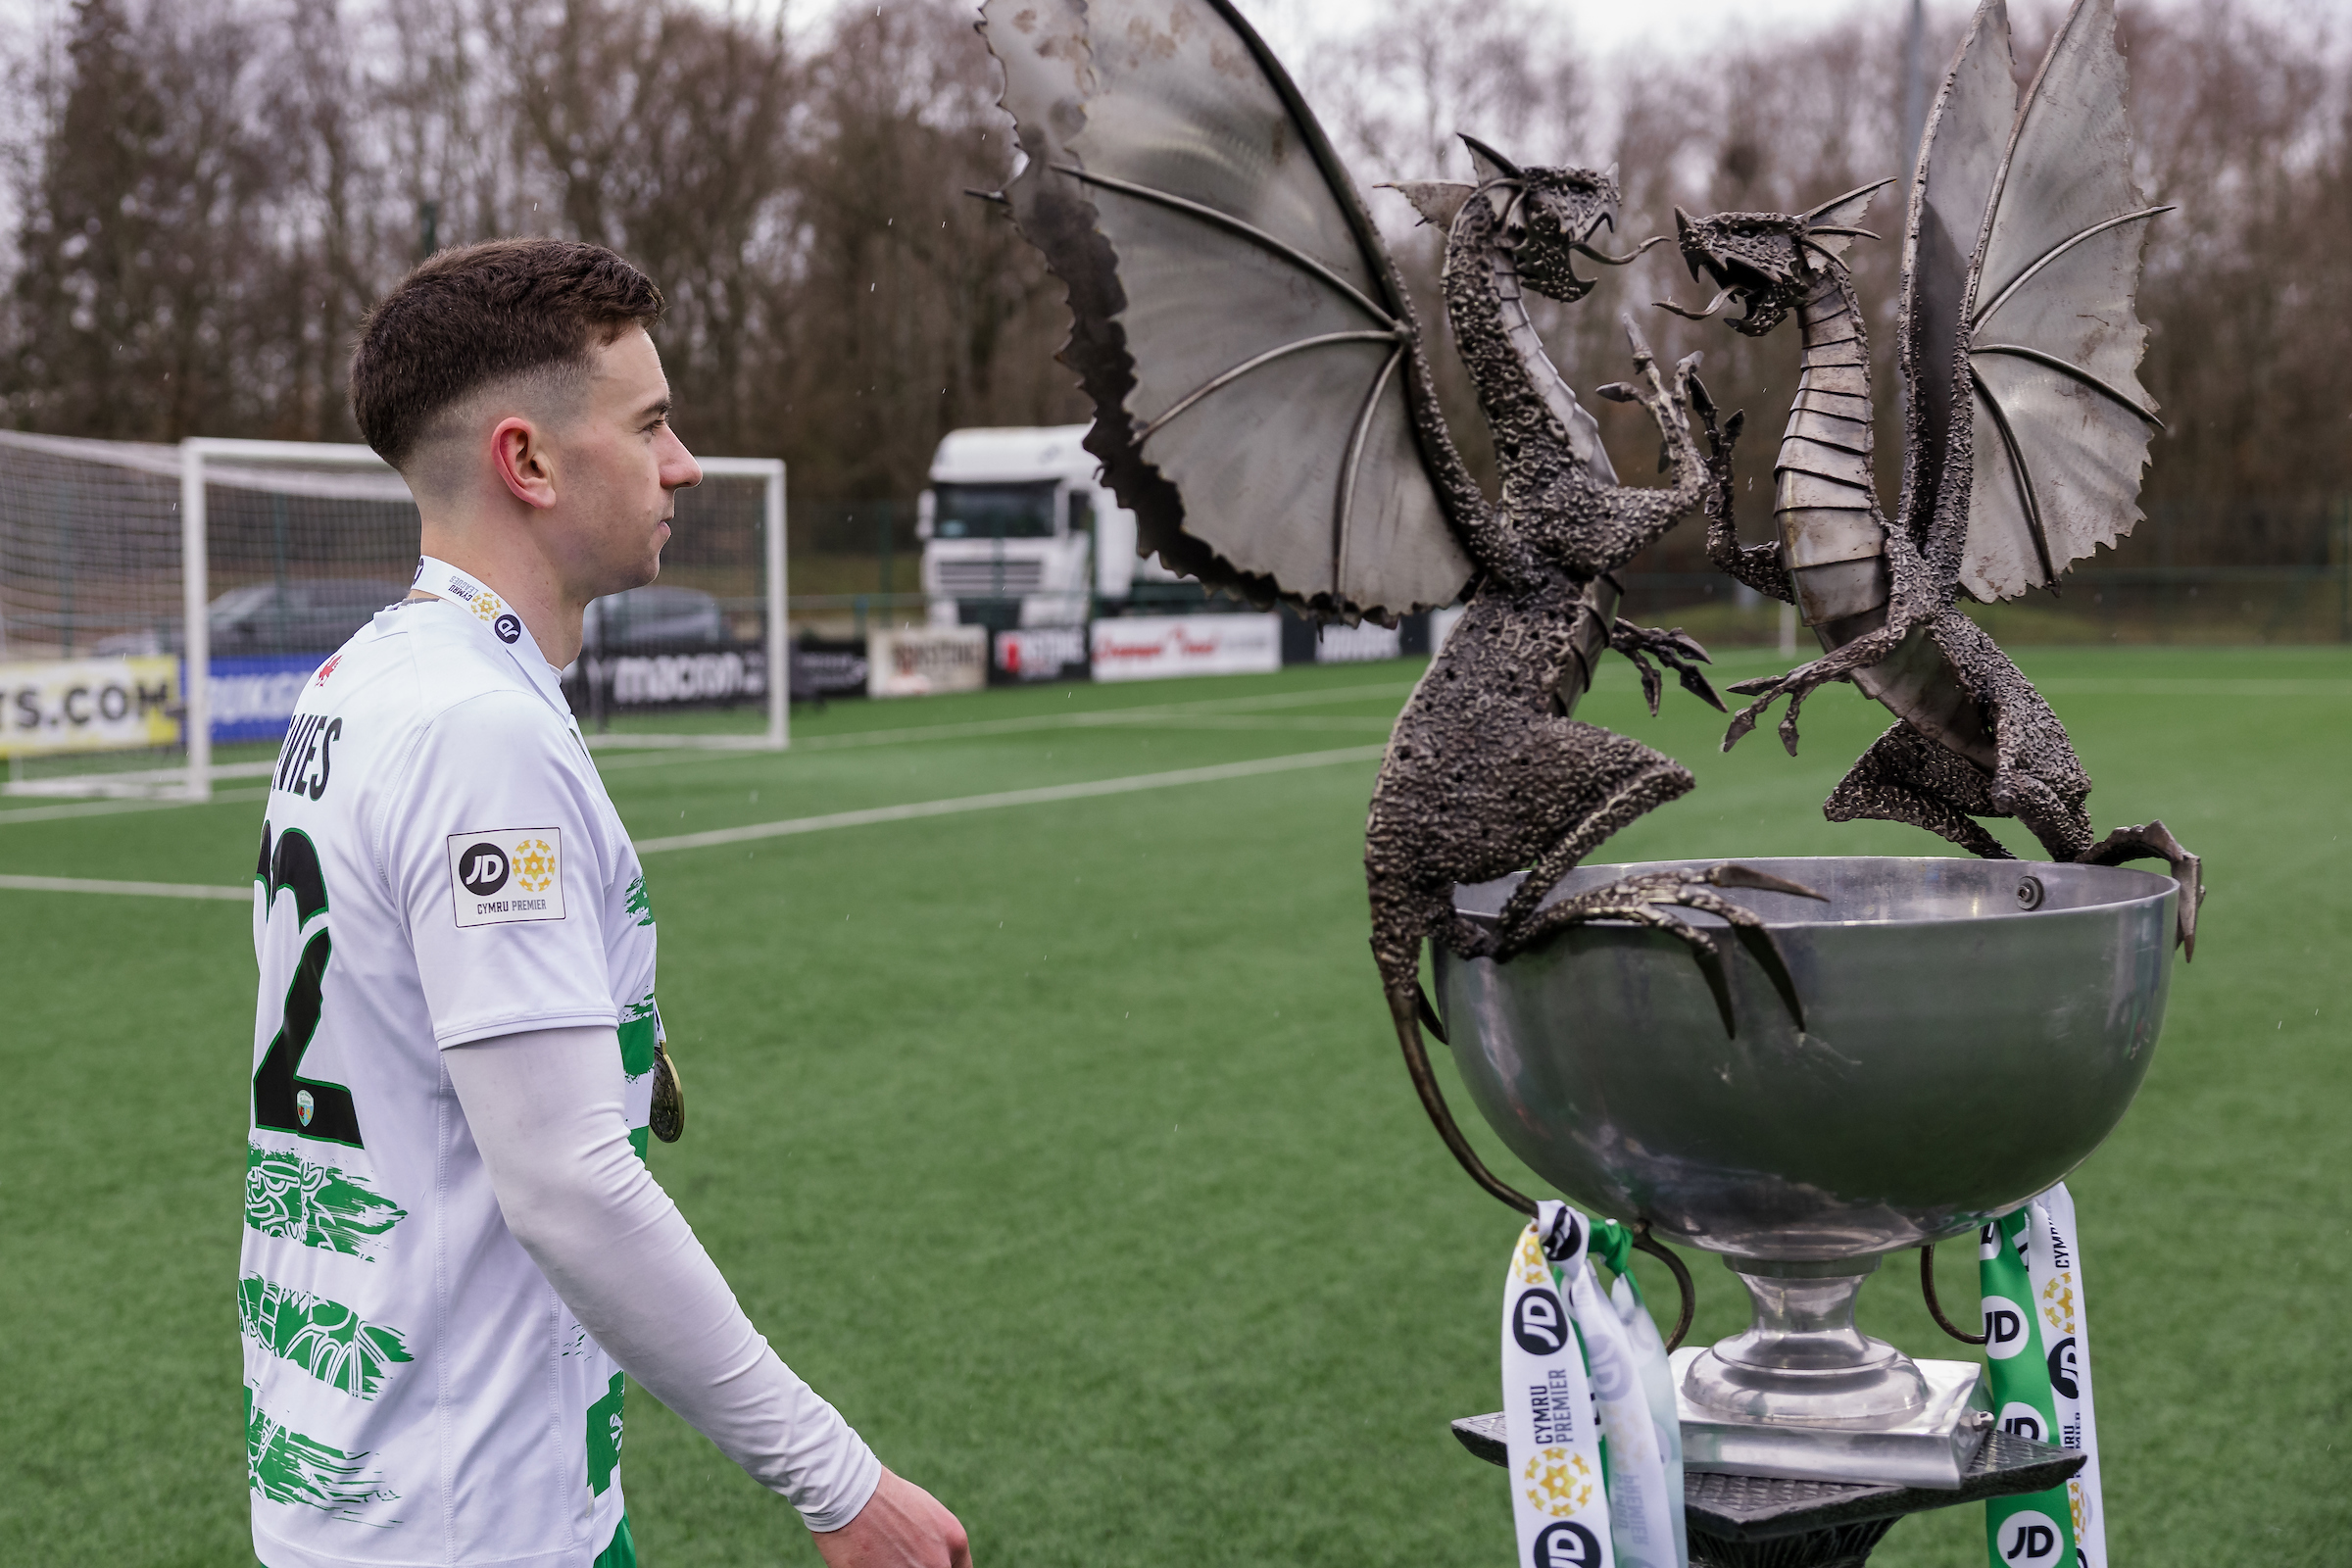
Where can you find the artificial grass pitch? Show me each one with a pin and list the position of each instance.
(1064, 1147)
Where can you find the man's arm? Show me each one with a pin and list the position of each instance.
(545, 1110)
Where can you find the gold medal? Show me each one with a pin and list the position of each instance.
(667, 1118)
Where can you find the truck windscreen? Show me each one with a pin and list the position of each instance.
(994, 510)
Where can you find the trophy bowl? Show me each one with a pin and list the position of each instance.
(1973, 1030)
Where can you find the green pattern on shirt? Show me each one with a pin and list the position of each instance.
(604, 1437)
(288, 1197)
(285, 1466)
(325, 1338)
(640, 903)
(640, 1028)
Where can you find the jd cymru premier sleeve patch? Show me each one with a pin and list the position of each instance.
(509, 875)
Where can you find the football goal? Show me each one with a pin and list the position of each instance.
(161, 607)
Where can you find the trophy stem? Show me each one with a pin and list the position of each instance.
(1801, 1360)
(1802, 1392)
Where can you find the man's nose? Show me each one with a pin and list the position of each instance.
(679, 471)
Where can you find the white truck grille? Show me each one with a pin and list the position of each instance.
(986, 577)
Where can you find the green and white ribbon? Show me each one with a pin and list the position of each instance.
(1595, 1446)
(2037, 1352)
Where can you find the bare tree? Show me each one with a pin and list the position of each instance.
(212, 191)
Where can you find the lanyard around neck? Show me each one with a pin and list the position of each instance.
(445, 581)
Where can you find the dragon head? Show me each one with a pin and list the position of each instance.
(1548, 217)
(1767, 261)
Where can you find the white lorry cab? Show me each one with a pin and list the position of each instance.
(1018, 530)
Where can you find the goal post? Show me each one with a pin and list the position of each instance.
(207, 580)
(706, 554)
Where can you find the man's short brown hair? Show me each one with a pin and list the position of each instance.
(480, 314)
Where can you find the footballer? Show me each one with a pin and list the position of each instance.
(453, 1247)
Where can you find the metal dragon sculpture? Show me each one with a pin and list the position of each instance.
(2025, 433)
(1262, 402)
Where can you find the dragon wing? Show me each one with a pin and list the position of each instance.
(1255, 366)
(2053, 343)
(1959, 160)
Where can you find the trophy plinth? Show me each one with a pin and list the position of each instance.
(1928, 1446)
(1973, 1030)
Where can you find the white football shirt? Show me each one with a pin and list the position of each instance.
(439, 864)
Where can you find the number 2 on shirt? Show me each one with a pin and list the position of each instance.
(281, 1100)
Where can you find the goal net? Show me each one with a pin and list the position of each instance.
(161, 607)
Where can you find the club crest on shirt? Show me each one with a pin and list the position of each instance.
(506, 875)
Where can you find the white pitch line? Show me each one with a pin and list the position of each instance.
(1127, 785)
(136, 890)
(1144, 716)
(2216, 686)
(52, 813)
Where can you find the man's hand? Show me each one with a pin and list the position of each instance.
(900, 1525)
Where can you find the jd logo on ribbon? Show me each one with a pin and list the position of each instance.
(2037, 1347)
(1589, 1416)
(2062, 1370)
(2027, 1541)
(1538, 1324)
(2024, 1421)
(1567, 1545)
(2004, 1328)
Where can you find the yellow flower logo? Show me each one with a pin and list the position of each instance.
(2058, 1294)
(486, 605)
(1563, 1482)
(1529, 1261)
(535, 864)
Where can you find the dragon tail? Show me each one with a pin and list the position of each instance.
(1410, 1007)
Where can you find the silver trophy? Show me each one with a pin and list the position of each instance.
(1705, 1050)
(1971, 1030)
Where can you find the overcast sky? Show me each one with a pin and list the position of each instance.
(1601, 25)
(1609, 25)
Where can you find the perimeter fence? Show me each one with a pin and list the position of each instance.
(2193, 572)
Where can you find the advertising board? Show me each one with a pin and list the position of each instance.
(920, 660)
(824, 669)
(1039, 653)
(88, 704)
(1155, 647)
(1358, 644)
(684, 680)
(253, 695)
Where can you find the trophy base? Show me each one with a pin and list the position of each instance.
(1932, 1446)
(1757, 1522)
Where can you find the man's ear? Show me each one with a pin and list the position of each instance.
(522, 460)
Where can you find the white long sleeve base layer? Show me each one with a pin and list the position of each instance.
(545, 1110)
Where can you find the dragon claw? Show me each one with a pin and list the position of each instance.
(1646, 899)
(1678, 648)
(1709, 957)
(1644, 358)
(1797, 685)
(1429, 1018)
(1767, 954)
(1697, 686)
(1731, 874)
